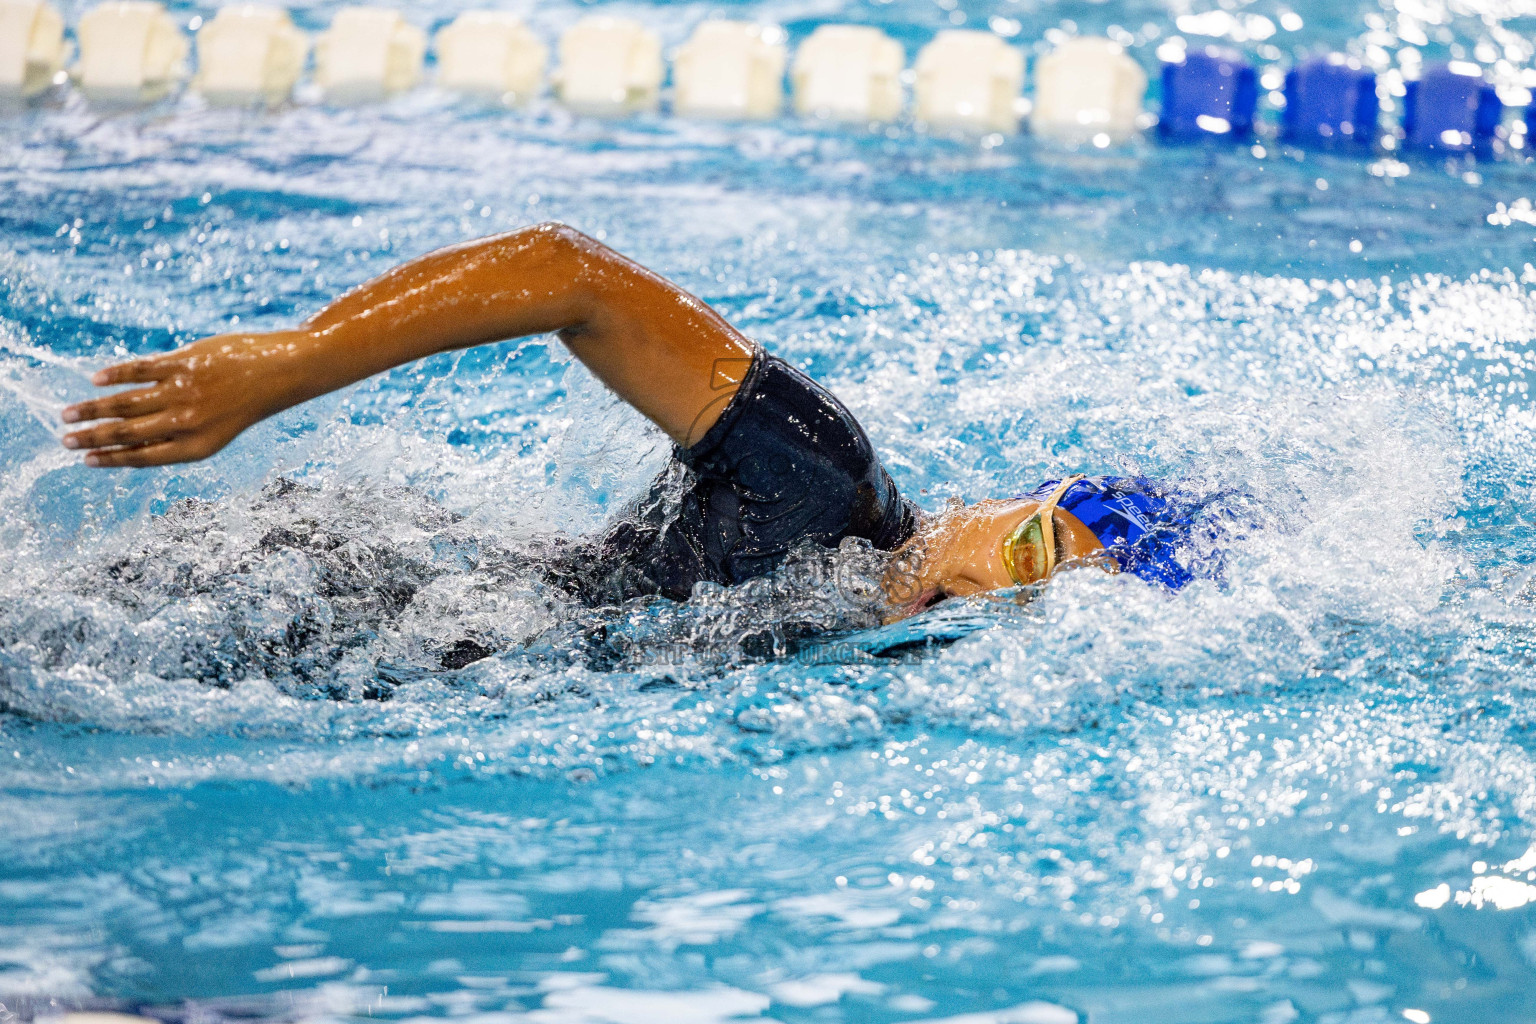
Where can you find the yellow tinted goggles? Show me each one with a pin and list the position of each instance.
(1029, 549)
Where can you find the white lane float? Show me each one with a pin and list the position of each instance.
(131, 51)
(492, 54)
(1088, 90)
(969, 79)
(609, 66)
(367, 54)
(248, 53)
(731, 69)
(31, 48)
(848, 73)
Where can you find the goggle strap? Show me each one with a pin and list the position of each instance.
(1047, 514)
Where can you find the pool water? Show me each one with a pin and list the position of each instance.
(253, 765)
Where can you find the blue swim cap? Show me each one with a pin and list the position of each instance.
(1140, 524)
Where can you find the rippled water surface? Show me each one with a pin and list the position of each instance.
(302, 732)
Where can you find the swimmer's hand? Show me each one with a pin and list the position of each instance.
(197, 399)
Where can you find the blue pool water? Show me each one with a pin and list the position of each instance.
(237, 781)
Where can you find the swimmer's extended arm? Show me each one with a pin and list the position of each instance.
(660, 349)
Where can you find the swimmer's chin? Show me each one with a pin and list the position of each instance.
(932, 597)
(897, 612)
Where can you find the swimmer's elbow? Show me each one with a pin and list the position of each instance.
(577, 259)
(563, 240)
(588, 272)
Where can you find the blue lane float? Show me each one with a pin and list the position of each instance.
(1212, 92)
(1330, 103)
(1451, 109)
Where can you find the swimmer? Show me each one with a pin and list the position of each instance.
(765, 458)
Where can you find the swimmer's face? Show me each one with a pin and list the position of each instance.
(955, 554)
(959, 553)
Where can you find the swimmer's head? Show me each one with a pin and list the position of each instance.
(963, 551)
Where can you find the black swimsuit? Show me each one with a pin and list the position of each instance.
(785, 462)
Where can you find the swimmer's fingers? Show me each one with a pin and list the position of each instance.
(148, 370)
(139, 402)
(161, 454)
(140, 430)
